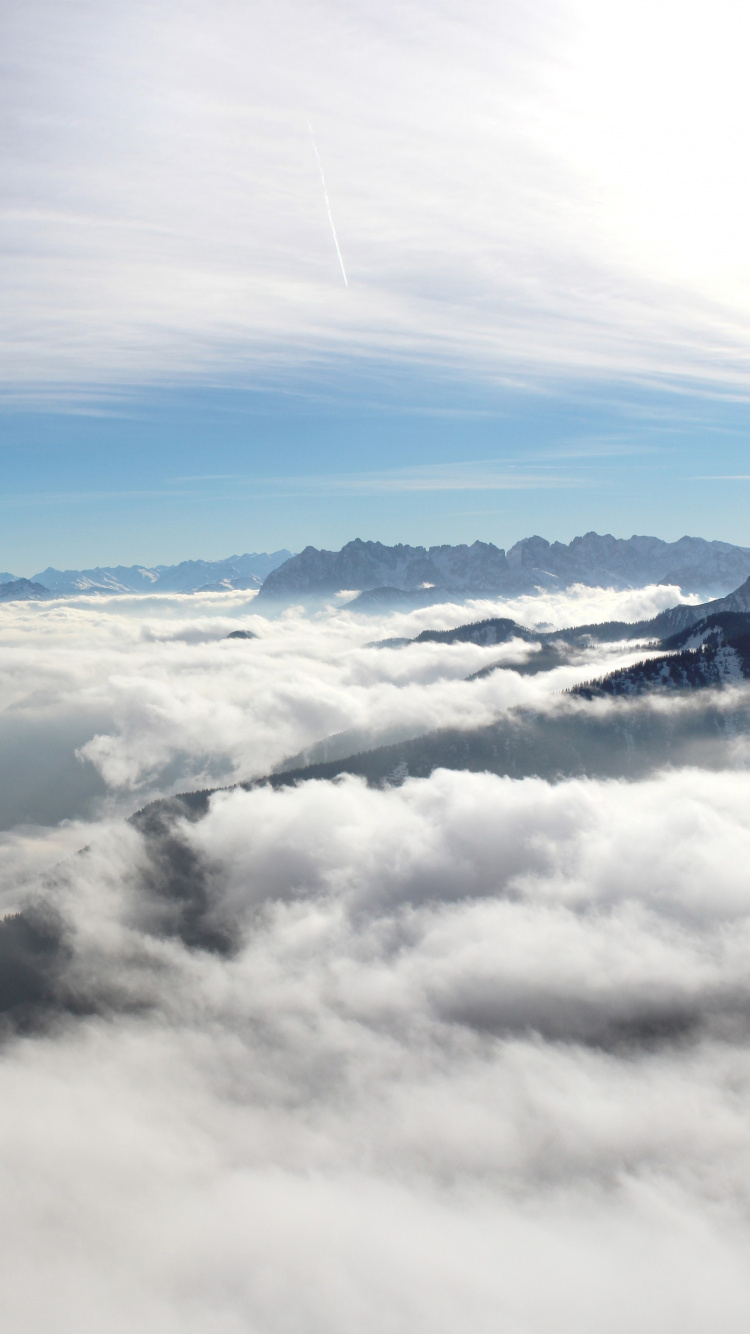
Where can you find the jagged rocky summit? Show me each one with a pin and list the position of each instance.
(404, 575)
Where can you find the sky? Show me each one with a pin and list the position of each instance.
(278, 274)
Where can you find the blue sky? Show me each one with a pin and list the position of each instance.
(543, 214)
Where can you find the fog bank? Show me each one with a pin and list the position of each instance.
(468, 1049)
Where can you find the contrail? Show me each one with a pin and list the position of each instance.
(328, 205)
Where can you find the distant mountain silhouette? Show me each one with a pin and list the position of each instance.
(190, 576)
(24, 590)
(401, 575)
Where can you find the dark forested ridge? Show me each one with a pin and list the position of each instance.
(673, 621)
(713, 652)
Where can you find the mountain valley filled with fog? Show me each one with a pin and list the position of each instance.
(389, 936)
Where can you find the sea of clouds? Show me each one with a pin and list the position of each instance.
(469, 1052)
(108, 702)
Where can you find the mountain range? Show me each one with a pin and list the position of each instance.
(190, 576)
(383, 576)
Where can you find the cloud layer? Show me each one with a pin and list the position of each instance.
(466, 1051)
(475, 1049)
(109, 702)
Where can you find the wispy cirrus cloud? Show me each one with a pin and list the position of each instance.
(469, 476)
(506, 206)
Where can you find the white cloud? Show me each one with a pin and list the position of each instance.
(481, 1055)
(469, 1052)
(152, 697)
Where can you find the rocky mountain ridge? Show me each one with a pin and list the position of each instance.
(386, 577)
(383, 575)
